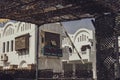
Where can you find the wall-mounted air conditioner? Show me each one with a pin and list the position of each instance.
(4, 57)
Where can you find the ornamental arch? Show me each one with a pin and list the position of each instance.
(9, 29)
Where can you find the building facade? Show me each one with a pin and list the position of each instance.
(51, 39)
(18, 46)
(84, 42)
(15, 52)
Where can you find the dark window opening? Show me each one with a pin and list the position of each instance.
(12, 45)
(7, 46)
(70, 50)
(3, 47)
(85, 47)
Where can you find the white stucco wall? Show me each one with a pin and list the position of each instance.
(79, 41)
(12, 30)
(50, 62)
(9, 32)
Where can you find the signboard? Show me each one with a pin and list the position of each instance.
(22, 42)
(52, 45)
(50, 51)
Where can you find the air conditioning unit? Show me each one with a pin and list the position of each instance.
(4, 57)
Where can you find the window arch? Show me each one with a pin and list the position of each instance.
(8, 28)
(78, 39)
(82, 37)
(85, 37)
(82, 33)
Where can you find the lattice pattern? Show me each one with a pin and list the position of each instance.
(106, 47)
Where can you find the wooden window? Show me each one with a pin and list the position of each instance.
(22, 42)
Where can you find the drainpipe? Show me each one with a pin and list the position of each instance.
(37, 51)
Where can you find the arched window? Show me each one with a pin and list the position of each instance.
(21, 28)
(82, 37)
(9, 27)
(78, 39)
(85, 37)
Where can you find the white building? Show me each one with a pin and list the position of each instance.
(50, 62)
(84, 41)
(18, 43)
(12, 57)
